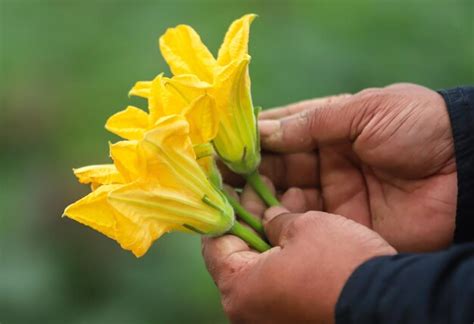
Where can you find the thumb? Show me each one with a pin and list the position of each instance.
(304, 131)
(276, 221)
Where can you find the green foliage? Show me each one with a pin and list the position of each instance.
(68, 65)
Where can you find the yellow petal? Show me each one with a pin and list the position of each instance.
(181, 90)
(203, 119)
(153, 91)
(155, 101)
(236, 141)
(141, 89)
(98, 174)
(130, 123)
(138, 237)
(170, 145)
(235, 45)
(95, 211)
(190, 82)
(168, 209)
(127, 159)
(185, 53)
(171, 133)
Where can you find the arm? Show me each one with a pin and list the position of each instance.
(460, 102)
(425, 288)
(411, 288)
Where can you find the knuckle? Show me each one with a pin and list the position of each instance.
(371, 97)
(369, 92)
(298, 224)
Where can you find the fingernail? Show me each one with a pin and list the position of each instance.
(273, 212)
(268, 127)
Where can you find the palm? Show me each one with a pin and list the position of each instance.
(385, 159)
(411, 214)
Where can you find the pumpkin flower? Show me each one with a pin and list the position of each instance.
(183, 95)
(154, 186)
(237, 141)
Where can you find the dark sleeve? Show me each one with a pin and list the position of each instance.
(425, 288)
(460, 102)
(417, 288)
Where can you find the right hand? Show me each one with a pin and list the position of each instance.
(300, 279)
(385, 159)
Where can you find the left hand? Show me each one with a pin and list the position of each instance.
(299, 280)
(382, 157)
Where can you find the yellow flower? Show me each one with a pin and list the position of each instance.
(237, 141)
(154, 186)
(184, 95)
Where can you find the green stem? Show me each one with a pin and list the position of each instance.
(255, 180)
(249, 236)
(245, 215)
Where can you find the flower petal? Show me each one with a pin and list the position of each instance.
(127, 160)
(98, 174)
(203, 119)
(95, 211)
(168, 209)
(181, 90)
(236, 141)
(130, 123)
(235, 45)
(141, 89)
(171, 133)
(169, 143)
(185, 53)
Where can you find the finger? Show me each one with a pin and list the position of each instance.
(294, 108)
(224, 254)
(291, 170)
(341, 120)
(314, 199)
(252, 201)
(294, 200)
(275, 220)
(284, 170)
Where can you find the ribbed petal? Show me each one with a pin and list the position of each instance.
(98, 175)
(185, 53)
(95, 211)
(167, 208)
(141, 89)
(235, 45)
(236, 140)
(130, 123)
(126, 156)
(203, 119)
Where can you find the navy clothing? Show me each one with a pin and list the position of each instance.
(426, 287)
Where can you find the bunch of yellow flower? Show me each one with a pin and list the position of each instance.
(164, 177)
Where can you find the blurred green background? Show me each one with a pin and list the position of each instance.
(67, 65)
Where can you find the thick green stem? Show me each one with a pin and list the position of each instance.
(244, 215)
(249, 236)
(255, 180)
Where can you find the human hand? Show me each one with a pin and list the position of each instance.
(385, 159)
(300, 279)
